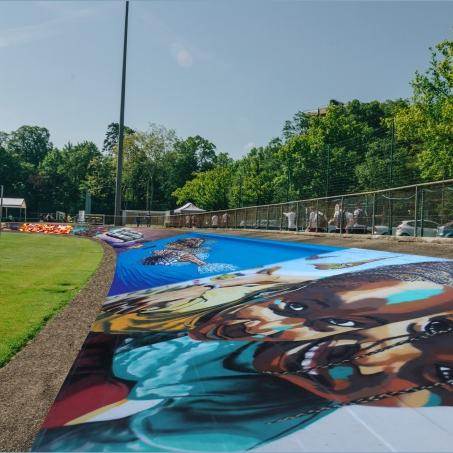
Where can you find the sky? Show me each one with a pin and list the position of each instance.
(231, 71)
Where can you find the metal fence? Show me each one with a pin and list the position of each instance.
(423, 210)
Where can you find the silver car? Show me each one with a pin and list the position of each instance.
(445, 231)
(407, 228)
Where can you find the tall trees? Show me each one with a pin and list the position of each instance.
(146, 156)
(63, 174)
(208, 188)
(112, 136)
(426, 126)
(188, 156)
(29, 144)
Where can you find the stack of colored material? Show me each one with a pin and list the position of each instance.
(46, 228)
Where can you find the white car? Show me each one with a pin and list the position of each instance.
(407, 227)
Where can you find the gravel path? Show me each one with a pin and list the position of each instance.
(31, 381)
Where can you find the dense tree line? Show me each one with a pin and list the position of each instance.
(350, 147)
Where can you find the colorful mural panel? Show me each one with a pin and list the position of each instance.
(215, 343)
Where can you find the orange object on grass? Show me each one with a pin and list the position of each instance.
(46, 228)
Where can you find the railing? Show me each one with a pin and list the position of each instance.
(418, 210)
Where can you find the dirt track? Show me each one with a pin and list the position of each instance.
(31, 381)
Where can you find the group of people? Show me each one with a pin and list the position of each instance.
(344, 221)
(215, 221)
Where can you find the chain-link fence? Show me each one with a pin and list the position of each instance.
(424, 210)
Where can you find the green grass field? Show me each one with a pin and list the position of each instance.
(39, 275)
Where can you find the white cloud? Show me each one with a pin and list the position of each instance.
(11, 37)
(184, 58)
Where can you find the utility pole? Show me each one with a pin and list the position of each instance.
(392, 151)
(119, 165)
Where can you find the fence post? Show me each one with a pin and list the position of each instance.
(297, 217)
(317, 215)
(416, 212)
(281, 217)
(390, 216)
(373, 214)
(341, 215)
(256, 218)
(422, 214)
(267, 220)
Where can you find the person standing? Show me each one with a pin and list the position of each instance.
(225, 220)
(291, 217)
(317, 221)
(339, 219)
(359, 221)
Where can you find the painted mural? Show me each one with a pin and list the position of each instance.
(212, 343)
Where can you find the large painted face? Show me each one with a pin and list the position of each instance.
(323, 309)
(363, 363)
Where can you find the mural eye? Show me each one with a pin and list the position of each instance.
(438, 325)
(445, 372)
(342, 322)
(296, 306)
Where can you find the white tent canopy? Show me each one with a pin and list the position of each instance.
(18, 203)
(12, 203)
(188, 208)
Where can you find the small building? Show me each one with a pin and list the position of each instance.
(9, 204)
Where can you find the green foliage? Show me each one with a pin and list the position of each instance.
(209, 188)
(426, 126)
(29, 144)
(112, 136)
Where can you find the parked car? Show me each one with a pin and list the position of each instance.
(407, 227)
(381, 230)
(445, 231)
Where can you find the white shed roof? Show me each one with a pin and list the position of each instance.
(13, 203)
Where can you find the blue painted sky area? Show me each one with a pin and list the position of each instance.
(221, 255)
(232, 71)
(224, 255)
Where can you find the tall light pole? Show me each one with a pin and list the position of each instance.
(119, 165)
